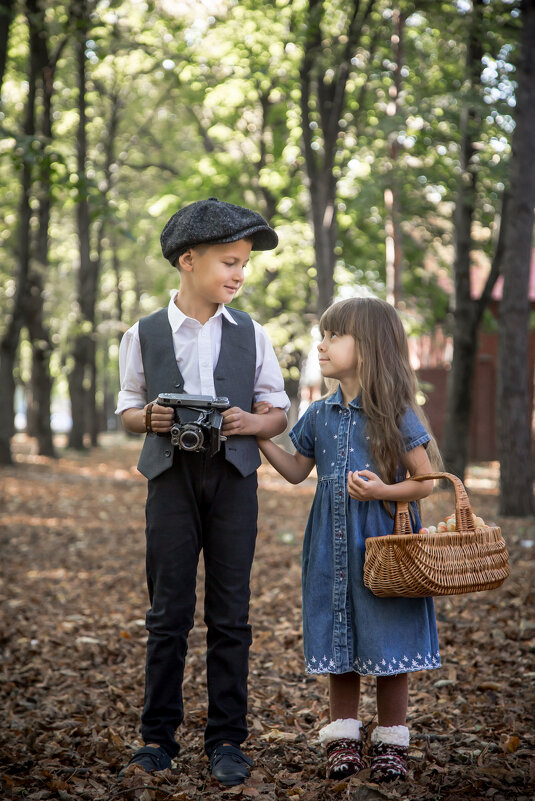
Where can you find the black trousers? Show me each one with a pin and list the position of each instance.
(202, 502)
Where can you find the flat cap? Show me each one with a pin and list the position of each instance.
(214, 222)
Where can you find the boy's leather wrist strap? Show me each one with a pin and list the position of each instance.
(148, 416)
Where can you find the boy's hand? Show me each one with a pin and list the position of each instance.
(162, 418)
(363, 485)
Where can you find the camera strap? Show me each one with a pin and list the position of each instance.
(148, 418)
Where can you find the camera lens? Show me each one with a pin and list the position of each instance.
(191, 439)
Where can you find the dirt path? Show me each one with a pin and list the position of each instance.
(72, 635)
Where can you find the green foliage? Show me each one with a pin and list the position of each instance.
(187, 100)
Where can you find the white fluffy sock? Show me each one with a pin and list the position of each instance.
(341, 729)
(393, 735)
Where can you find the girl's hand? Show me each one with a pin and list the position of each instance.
(268, 423)
(236, 421)
(262, 407)
(363, 485)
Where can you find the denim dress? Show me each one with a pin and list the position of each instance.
(345, 626)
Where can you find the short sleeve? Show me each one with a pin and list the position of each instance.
(412, 431)
(303, 433)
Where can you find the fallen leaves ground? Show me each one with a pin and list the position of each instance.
(72, 638)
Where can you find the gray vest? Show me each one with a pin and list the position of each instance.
(234, 377)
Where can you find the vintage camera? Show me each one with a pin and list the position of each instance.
(198, 421)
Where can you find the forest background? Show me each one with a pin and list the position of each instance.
(390, 144)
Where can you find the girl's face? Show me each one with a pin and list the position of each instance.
(338, 356)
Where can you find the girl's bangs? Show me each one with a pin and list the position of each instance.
(339, 318)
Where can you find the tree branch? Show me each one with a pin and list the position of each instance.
(157, 165)
(208, 143)
(496, 265)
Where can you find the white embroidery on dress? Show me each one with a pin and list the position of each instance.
(363, 666)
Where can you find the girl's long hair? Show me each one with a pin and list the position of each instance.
(388, 384)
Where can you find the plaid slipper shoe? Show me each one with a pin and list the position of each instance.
(148, 759)
(344, 758)
(390, 747)
(343, 744)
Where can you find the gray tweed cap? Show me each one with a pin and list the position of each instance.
(213, 221)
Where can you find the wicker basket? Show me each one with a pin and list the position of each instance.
(446, 563)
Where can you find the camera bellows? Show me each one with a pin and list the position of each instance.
(198, 421)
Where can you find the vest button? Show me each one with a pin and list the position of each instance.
(167, 453)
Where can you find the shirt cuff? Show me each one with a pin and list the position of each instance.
(128, 400)
(278, 399)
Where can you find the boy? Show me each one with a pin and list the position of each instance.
(200, 346)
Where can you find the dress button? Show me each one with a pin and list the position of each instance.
(341, 576)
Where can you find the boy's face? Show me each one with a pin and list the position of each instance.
(216, 272)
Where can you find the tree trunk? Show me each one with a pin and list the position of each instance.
(10, 340)
(327, 99)
(116, 265)
(514, 395)
(35, 319)
(393, 241)
(98, 416)
(459, 399)
(41, 396)
(93, 417)
(7, 11)
(322, 196)
(80, 377)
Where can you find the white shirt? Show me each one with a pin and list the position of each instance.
(197, 350)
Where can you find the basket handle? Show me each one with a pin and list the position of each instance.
(463, 512)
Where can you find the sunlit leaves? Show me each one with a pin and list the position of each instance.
(207, 96)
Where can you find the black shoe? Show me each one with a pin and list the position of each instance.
(148, 759)
(229, 765)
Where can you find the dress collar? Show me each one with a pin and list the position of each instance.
(337, 400)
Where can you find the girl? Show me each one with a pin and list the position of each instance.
(366, 441)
